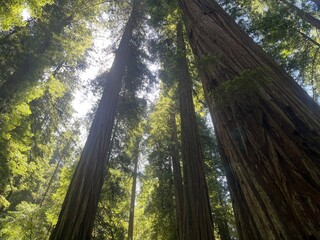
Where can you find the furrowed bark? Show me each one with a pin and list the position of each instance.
(198, 220)
(267, 125)
(79, 208)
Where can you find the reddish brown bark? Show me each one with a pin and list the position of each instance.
(79, 208)
(197, 214)
(268, 129)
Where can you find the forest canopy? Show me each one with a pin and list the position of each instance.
(204, 119)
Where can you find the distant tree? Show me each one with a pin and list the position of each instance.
(135, 158)
(304, 15)
(155, 209)
(177, 173)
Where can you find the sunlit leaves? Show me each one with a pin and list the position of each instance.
(55, 88)
(4, 202)
(23, 223)
(11, 12)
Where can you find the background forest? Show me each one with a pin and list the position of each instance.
(53, 51)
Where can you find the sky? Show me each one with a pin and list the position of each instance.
(98, 61)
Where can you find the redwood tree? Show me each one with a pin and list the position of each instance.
(78, 211)
(267, 126)
(177, 177)
(197, 214)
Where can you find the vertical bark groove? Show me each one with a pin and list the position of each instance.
(269, 135)
(198, 220)
(79, 208)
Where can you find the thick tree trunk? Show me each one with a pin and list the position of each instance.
(133, 197)
(79, 208)
(177, 177)
(246, 227)
(304, 15)
(198, 221)
(267, 126)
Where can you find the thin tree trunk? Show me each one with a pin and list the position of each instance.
(177, 178)
(64, 151)
(198, 221)
(114, 131)
(267, 126)
(305, 36)
(304, 15)
(79, 208)
(133, 197)
(220, 215)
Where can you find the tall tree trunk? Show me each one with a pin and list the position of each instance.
(304, 15)
(133, 196)
(198, 221)
(177, 178)
(246, 227)
(79, 208)
(267, 126)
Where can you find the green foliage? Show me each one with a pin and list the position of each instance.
(53, 43)
(220, 199)
(36, 131)
(3, 202)
(247, 84)
(287, 37)
(23, 223)
(113, 211)
(11, 12)
(163, 13)
(54, 203)
(209, 61)
(39, 61)
(16, 137)
(155, 204)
